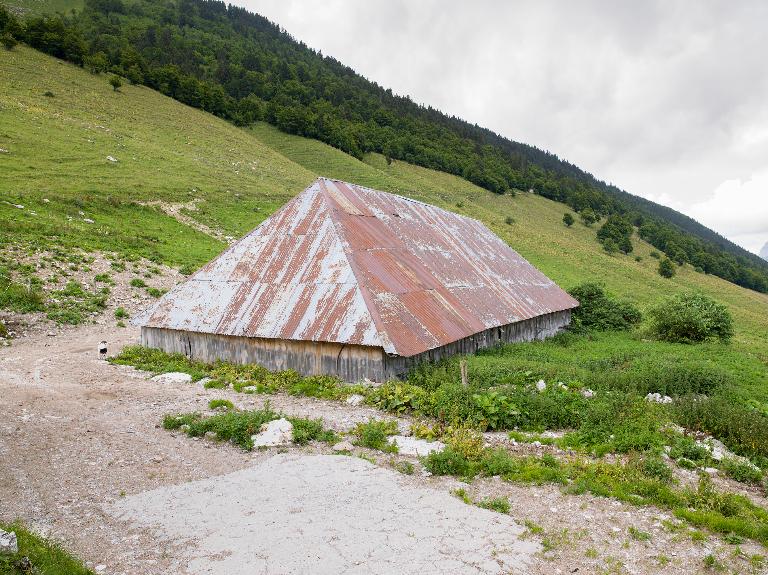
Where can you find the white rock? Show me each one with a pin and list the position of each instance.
(658, 398)
(100, 568)
(111, 159)
(588, 393)
(413, 446)
(541, 385)
(18, 206)
(173, 377)
(8, 543)
(249, 389)
(88, 221)
(277, 432)
(46, 200)
(211, 435)
(355, 399)
(710, 470)
(343, 446)
(202, 382)
(536, 443)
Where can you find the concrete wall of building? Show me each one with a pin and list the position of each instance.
(349, 362)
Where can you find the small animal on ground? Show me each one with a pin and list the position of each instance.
(103, 349)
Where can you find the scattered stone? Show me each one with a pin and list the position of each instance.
(184, 428)
(211, 435)
(658, 398)
(250, 389)
(19, 206)
(100, 568)
(277, 432)
(343, 446)
(51, 334)
(710, 470)
(202, 382)
(413, 446)
(588, 393)
(562, 386)
(536, 443)
(541, 385)
(173, 377)
(3, 151)
(8, 543)
(112, 159)
(46, 201)
(88, 221)
(355, 399)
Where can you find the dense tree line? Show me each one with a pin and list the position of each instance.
(242, 67)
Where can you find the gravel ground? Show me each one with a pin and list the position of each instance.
(84, 460)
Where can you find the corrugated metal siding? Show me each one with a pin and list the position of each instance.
(345, 264)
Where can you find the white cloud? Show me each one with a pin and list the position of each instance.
(664, 99)
(739, 209)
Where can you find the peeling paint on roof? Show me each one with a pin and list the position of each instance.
(347, 264)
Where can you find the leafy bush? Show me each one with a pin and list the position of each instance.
(464, 440)
(447, 462)
(741, 470)
(397, 397)
(120, 313)
(598, 311)
(306, 430)
(691, 317)
(374, 434)
(220, 403)
(138, 283)
(187, 270)
(742, 429)
(655, 468)
(667, 268)
(234, 426)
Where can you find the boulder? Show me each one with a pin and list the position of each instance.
(588, 393)
(277, 432)
(8, 543)
(541, 385)
(343, 446)
(173, 377)
(413, 446)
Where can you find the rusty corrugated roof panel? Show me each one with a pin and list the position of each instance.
(347, 264)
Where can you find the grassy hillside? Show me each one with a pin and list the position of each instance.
(56, 148)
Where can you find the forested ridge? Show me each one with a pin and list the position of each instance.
(242, 67)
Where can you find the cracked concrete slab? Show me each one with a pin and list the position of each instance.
(297, 513)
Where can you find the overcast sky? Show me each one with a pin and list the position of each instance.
(667, 99)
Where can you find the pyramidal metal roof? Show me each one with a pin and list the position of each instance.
(347, 264)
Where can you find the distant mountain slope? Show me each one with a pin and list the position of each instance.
(764, 252)
(242, 67)
(57, 148)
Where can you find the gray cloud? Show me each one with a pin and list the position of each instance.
(668, 100)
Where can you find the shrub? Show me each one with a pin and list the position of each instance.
(187, 269)
(742, 429)
(509, 220)
(8, 41)
(598, 311)
(447, 462)
(120, 313)
(656, 255)
(220, 403)
(568, 219)
(655, 468)
(742, 471)
(234, 426)
(691, 317)
(464, 440)
(306, 430)
(115, 82)
(667, 377)
(667, 268)
(374, 434)
(138, 283)
(155, 292)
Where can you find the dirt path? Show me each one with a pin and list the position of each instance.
(80, 439)
(84, 460)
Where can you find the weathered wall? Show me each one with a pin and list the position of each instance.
(349, 362)
(539, 327)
